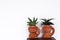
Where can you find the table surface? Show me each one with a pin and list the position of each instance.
(41, 38)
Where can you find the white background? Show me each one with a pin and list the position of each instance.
(14, 14)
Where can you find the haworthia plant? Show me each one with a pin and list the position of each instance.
(32, 22)
(47, 21)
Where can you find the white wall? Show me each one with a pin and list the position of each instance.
(14, 13)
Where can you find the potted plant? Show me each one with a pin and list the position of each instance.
(33, 29)
(48, 29)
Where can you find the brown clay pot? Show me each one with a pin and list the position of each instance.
(34, 31)
(48, 31)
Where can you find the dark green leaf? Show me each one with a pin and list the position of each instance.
(50, 19)
(30, 20)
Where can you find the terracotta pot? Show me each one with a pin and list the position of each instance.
(48, 31)
(34, 31)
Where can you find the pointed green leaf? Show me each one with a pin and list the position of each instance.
(50, 19)
(30, 20)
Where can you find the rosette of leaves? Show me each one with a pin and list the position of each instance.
(32, 22)
(47, 21)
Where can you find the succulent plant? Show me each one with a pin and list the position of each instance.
(32, 22)
(47, 21)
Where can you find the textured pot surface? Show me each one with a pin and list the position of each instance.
(48, 31)
(34, 31)
(32, 35)
(32, 28)
(46, 28)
